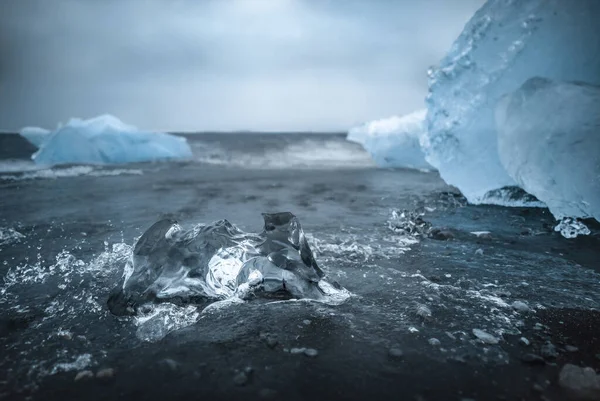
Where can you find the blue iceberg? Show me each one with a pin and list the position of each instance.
(503, 45)
(104, 140)
(394, 141)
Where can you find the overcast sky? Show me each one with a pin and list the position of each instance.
(184, 65)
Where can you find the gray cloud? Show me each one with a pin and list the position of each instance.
(221, 64)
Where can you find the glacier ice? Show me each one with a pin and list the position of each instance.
(394, 141)
(106, 140)
(549, 143)
(219, 261)
(504, 44)
(35, 135)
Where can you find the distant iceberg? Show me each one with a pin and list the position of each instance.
(103, 140)
(35, 135)
(503, 45)
(549, 143)
(394, 141)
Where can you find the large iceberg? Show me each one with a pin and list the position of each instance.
(219, 261)
(394, 142)
(503, 45)
(104, 140)
(549, 143)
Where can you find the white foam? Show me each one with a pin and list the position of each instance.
(80, 363)
(75, 171)
(307, 153)
(9, 236)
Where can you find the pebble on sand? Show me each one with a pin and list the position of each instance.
(441, 234)
(240, 378)
(520, 306)
(84, 374)
(434, 341)
(243, 377)
(267, 393)
(533, 359)
(169, 364)
(395, 353)
(106, 373)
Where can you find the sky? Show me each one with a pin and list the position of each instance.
(192, 65)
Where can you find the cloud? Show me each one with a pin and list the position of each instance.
(221, 64)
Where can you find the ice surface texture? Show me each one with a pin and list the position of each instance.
(394, 142)
(549, 143)
(503, 45)
(104, 140)
(218, 261)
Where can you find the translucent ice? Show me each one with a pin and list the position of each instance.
(571, 228)
(35, 135)
(549, 143)
(394, 142)
(106, 140)
(218, 261)
(504, 44)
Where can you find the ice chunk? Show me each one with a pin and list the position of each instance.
(485, 336)
(571, 228)
(217, 261)
(35, 135)
(106, 140)
(505, 43)
(549, 143)
(394, 141)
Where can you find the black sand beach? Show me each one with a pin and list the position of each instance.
(480, 303)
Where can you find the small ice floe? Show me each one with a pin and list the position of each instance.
(524, 341)
(521, 307)
(310, 352)
(408, 223)
(571, 228)
(482, 234)
(485, 337)
(435, 342)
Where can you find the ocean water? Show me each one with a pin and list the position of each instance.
(427, 273)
